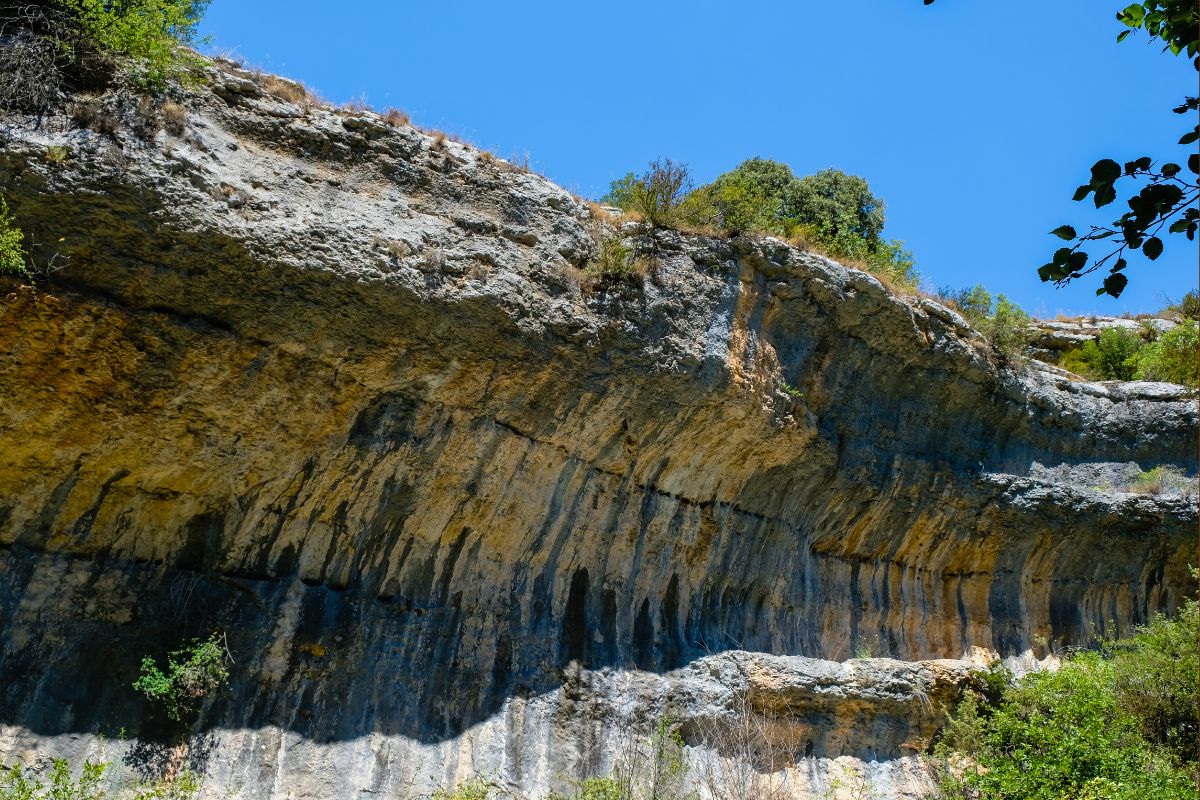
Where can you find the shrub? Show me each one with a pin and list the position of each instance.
(192, 673)
(655, 195)
(1120, 723)
(17, 784)
(1188, 307)
(1003, 324)
(1107, 358)
(13, 260)
(1174, 357)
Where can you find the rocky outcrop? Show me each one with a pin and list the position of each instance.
(334, 387)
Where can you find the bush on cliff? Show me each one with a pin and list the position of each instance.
(62, 45)
(12, 249)
(1004, 325)
(192, 673)
(830, 211)
(1119, 723)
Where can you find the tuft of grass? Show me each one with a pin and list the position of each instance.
(395, 117)
(57, 154)
(1161, 480)
(286, 90)
(175, 118)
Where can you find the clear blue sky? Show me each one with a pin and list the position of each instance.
(974, 121)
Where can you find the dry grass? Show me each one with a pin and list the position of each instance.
(175, 118)
(91, 115)
(288, 91)
(57, 154)
(395, 117)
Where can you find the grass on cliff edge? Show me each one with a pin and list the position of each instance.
(1119, 723)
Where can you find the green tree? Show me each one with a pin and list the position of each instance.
(840, 206)
(751, 197)
(68, 45)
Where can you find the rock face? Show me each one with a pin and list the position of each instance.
(333, 388)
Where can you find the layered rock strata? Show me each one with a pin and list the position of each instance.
(336, 388)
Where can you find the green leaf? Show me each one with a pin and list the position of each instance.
(1142, 163)
(1114, 284)
(1121, 36)
(1120, 265)
(1153, 248)
(1105, 171)
(1194, 163)
(1178, 226)
(1104, 196)
(1081, 193)
(1064, 232)
(1077, 261)
(1188, 138)
(1170, 170)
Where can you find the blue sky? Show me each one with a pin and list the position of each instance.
(973, 121)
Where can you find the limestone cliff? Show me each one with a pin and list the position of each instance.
(332, 386)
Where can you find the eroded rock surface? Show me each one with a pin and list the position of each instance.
(332, 386)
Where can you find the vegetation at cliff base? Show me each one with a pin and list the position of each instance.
(192, 673)
(68, 45)
(1118, 723)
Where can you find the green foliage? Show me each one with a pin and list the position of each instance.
(1004, 325)
(476, 788)
(19, 784)
(659, 771)
(13, 260)
(1117, 724)
(184, 786)
(752, 197)
(148, 32)
(616, 261)
(1173, 357)
(831, 211)
(60, 46)
(192, 673)
(838, 205)
(655, 195)
(1108, 358)
(1169, 194)
(620, 192)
